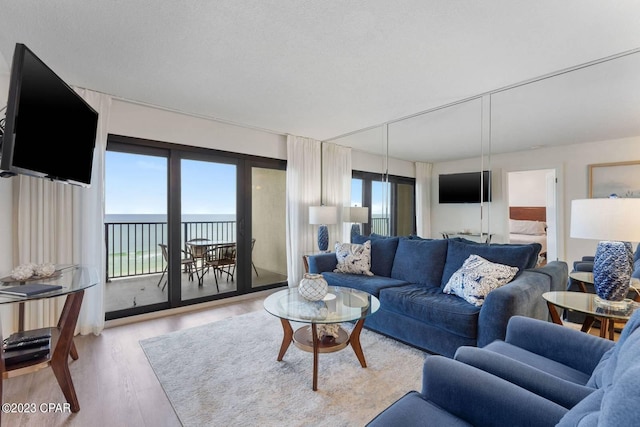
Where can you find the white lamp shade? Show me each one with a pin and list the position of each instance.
(359, 215)
(323, 215)
(606, 219)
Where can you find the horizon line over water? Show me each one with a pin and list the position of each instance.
(135, 218)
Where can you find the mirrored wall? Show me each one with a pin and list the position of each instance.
(597, 101)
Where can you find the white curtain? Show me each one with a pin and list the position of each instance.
(64, 224)
(423, 199)
(336, 165)
(303, 190)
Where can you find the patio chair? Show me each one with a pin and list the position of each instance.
(222, 259)
(186, 262)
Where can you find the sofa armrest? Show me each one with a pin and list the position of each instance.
(483, 399)
(322, 262)
(558, 390)
(522, 296)
(558, 343)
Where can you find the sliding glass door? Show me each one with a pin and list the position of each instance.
(213, 226)
(208, 227)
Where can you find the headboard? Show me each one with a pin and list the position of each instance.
(531, 213)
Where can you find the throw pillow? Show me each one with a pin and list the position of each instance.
(354, 258)
(477, 277)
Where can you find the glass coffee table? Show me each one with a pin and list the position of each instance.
(585, 303)
(339, 305)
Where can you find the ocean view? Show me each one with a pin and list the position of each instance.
(133, 240)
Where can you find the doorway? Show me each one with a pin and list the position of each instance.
(533, 213)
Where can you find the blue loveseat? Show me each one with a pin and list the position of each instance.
(409, 275)
(543, 375)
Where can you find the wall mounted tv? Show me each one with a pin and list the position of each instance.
(50, 130)
(465, 187)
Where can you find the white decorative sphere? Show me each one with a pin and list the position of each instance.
(313, 287)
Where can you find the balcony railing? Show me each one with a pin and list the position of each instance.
(133, 248)
(380, 226)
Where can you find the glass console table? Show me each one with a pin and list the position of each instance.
(74, 280)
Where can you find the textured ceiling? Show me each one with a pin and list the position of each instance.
(323, 68)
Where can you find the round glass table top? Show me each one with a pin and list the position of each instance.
(582, 276)
(72, 278)
(339, 305)
(586, 303)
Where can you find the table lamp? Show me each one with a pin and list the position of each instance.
(323, 215)
(615, 222)
(356, 215)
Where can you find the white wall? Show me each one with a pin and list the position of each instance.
(570, 162)
(527, 188)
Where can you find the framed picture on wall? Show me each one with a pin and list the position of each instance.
(622, 178)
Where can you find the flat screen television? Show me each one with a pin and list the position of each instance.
(465, 187)
(50, 130)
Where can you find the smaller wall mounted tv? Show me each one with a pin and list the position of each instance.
(50, 130)
(465, 187)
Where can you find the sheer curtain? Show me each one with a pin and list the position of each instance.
(423, 199)
(64, 224)
(303, 190)
(336, 165)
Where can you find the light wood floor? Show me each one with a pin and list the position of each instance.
(113, 380)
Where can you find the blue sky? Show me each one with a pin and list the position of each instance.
(137, 184)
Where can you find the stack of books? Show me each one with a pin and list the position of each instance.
(26, 346)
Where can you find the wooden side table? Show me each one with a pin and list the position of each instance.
(74, 280)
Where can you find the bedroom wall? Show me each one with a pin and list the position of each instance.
(570, 163)
(527, 188)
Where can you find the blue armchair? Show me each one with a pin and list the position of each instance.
(541, 375)
(455, 394)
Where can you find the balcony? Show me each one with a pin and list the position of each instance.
(135, 263)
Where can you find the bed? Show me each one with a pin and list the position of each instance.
(528, 225)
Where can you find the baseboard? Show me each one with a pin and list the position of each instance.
(186, 309)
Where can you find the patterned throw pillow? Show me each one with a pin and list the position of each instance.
(354, 258)
(477, 277)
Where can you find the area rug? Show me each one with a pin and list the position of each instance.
(226, 374)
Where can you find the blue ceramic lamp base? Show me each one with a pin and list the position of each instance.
(612, 269)
(323, 238)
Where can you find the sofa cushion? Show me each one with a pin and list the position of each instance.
(477, 277)
(521, 256)
(383, 252)
(354, 258)
(370, 284)
(420, 261)
(429, 305)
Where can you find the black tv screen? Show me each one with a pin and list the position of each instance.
(465, 187)
(50, 130)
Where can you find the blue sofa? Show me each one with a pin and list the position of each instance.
(410, 274)
(554, 360)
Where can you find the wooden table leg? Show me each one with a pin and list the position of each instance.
(554, 314)
(287, 339)
(64, 347)
(314, 333)
(604, 327)
(588, 322)
(354, 340)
